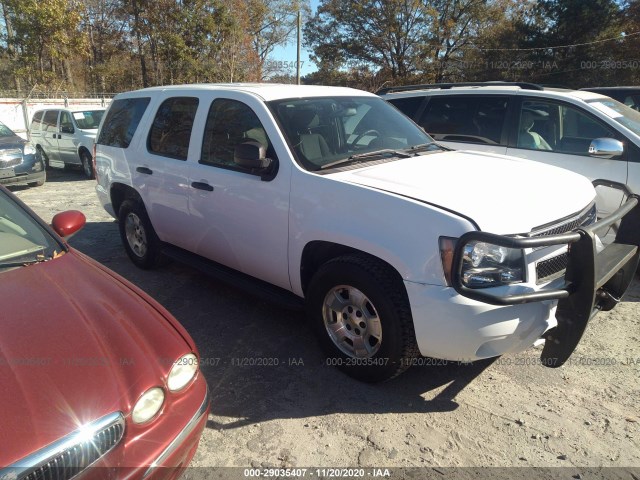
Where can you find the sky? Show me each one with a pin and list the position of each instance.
(288, 53)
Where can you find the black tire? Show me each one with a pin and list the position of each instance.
(43, 155)
(138, 236)
(364, 289)
(87, 164)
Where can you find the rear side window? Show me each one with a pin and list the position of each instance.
(408, 106)
(122, 121)
(171, 129)
(35, 122)
(50, 121)
(466, 118)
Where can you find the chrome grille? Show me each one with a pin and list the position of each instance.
(72, 454)
(586, 217)
(554, 267)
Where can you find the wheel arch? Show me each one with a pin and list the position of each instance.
(318, 252)
(119, 193)
(81, 149)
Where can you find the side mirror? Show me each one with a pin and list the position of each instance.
(251, 155)
(66, 224)
(66, 129)
(606, 148)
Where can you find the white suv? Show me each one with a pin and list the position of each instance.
(581, 131)
(65, 136)
(332, 198)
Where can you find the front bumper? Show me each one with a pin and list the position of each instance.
(595, 279)
(24, 179)
(179, 452)
(450, 326)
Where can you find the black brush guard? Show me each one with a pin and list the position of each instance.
(594, 281)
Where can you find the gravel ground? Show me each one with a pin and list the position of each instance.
(301, 413)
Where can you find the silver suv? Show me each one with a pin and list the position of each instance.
(581, 131)
(65, 136)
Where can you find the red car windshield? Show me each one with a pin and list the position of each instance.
(22, 239)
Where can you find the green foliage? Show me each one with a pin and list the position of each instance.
(570, 42)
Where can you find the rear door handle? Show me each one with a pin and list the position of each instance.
(202, 186)
(145, 170)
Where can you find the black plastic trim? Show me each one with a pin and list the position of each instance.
(444, 86)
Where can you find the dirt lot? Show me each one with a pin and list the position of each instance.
(508, 412)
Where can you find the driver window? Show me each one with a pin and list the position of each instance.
(66, 124)
(557, 127)
(229, 124)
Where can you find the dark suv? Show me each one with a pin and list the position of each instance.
(20, 164)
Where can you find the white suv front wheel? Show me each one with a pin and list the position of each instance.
(360, 312)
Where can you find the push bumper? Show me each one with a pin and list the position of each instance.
(595, 279)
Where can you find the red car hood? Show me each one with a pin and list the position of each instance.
(76, 342)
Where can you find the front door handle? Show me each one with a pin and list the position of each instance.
(202, 186)
(145, 170)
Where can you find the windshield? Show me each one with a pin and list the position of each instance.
(89, 119)
(327, 131)
(22, 239)
(619, 112)
(6, 131)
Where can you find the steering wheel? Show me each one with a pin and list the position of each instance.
(364, 134)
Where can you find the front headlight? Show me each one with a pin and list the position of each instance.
(183, 370)
(483, 264)
(488, 265)
(148, 405)
(28, 149)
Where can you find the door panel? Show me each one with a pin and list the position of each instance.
(50, 137)
(161, 175)
(241, 221)
(559, 135)
(66, 142)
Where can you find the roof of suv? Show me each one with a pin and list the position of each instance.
(266, 91)
(485, 87)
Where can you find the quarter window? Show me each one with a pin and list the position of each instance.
(50, 121)
(465, 118)
(35, 123)
(171, 129)
(122, 121)
(229, 124)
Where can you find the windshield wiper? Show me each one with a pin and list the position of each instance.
(366, 156)
(422, 146)
(23, 263)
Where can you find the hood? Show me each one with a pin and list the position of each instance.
(76, 343)
(503, 195)
(11, 142)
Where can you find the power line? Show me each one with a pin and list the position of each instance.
(619, 37)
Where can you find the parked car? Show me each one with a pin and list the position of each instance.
(630, 96)
(333, 198)
(93, 371)
(20, 164)
(581, 131)
(65, 136)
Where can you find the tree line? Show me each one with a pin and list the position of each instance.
(106, 46)
(570, 43)
(116, 45)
